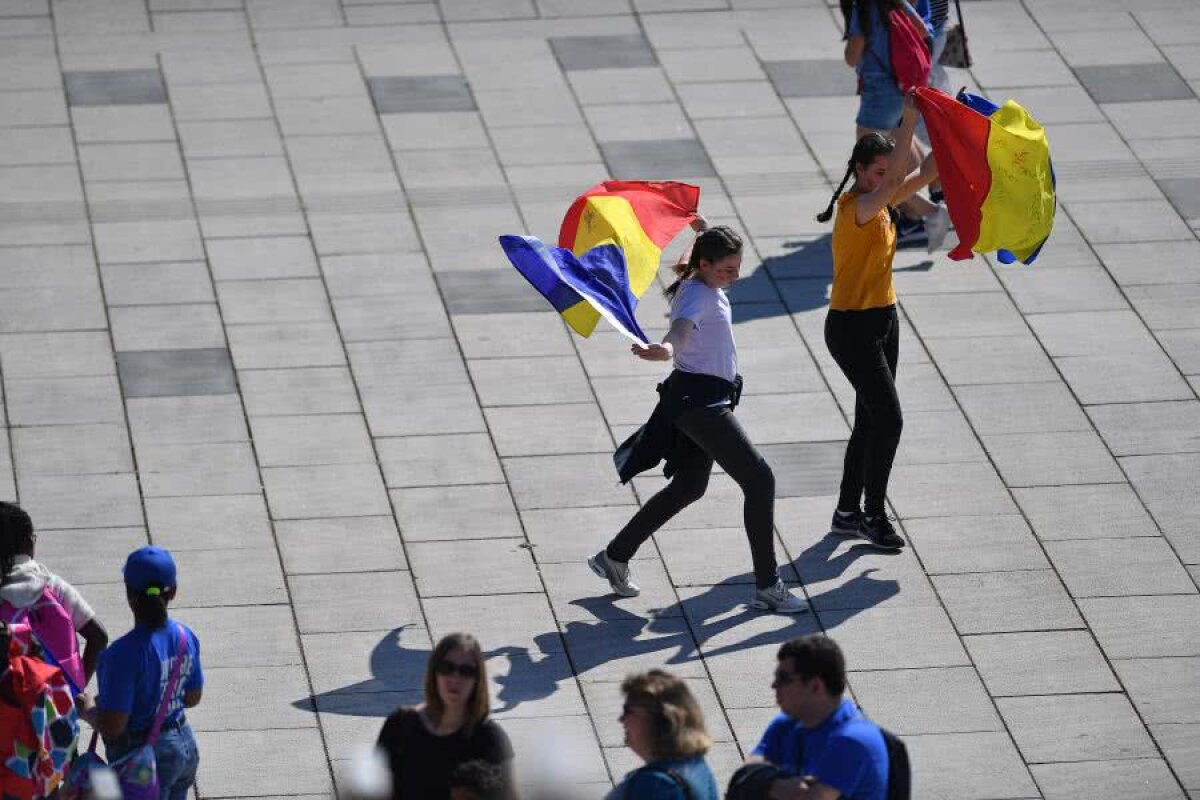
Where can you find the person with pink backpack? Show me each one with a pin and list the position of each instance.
(54, 610)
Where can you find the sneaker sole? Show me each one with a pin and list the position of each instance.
(600, 573)
(891, 548)
(763, 605)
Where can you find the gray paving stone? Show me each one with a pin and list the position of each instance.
(1000, 602)
(621, 85)
(948, 490)
(279, 346)
(1066, 289)
(1075, 727)
(1181, 745)
(602, 52)
(88, 556)
(253, 577)
(487, 292)
(335, 603)
(367, 662)
(173, 373)
(970, 765)
(915, 701)
(182, 420)
(1113, 567)
(175, 470)
(513, 622)
(1147, 778)
(72, 449)
(424, 93)
(456, 512)
(116, 87)
(1184, 194)
(577, 428)
(579, 595)
(938, 437)
(1040, 663)
(657, 158)
(49, 355)
(730, 99)
(936, 316)
(341, 490)
(234, 691)
(507, 382)
(1145, 627)
(318, 390)
(564, 481)
(1165, 307)
(1052, 459)
(1183, 348)
(1149, 428)
(439, 460)
(1165, 483)
(1123, 83)
(972, 360)
(260, 258)
(166, 327)
(298, 766)
(610, 650)
(1158, 687)
(63, 401)
(810, 78)
(838, 574)
(591, 529)
(244, 636)
(351, 544)
(274, 301)
(1021, 408)
(294, 441)
(154, 284)
(223, 522)
(498, 566)
(704, 557)
(1123, 379)
(574, 737)
(1139, 263)
(1083, 512)
(1124, 221)
(895, 638)
(975, 544)
(538, 333)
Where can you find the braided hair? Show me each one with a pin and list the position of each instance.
(16, 536)
(712, 245)
(866, 150)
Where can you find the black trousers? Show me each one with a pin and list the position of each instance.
(866, 345)
(708, 435)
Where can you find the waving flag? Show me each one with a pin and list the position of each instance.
(587, 287)
(994, 165)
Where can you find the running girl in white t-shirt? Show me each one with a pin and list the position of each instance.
(695, 425)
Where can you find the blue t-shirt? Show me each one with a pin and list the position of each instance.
(133, 673)
(652, 782)
(877, 57)
(846, 752)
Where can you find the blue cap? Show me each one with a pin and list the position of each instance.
(149, 566)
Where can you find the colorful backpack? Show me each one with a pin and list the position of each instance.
(908, 39)
(39, 734)
(54, 630)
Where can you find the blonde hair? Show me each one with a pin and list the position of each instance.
(479, 704)
(678, 722)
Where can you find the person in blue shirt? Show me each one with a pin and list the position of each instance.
(134, 673)
(821, 742)
(664, 726)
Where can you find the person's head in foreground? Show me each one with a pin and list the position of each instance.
(662, 719)
(150, 584)
(479, 780)
(456, 685)
(810, 677)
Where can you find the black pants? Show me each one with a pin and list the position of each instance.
(708, 435)
(866, 345)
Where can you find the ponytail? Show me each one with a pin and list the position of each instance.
(711, 245)
(827, 214)
(866, 150)
(149, 606)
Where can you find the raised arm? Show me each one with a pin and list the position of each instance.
(897, 168)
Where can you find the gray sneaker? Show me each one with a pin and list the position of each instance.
(616, 573)
(937, 225)
(777, 598)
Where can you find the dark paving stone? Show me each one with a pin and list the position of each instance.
(1127, 83)
(1184, 194)
(667, 159)
(806, 469)
(811, 78)
(403, 94)
(176, 373)
(489, 291)
(122, 87)
(603, 52)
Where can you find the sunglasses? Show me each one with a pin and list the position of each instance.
(448, 668)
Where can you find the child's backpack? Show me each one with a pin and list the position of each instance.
(911, 55)
(54, 631)
(41, 729)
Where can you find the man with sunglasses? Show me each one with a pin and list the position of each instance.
(820, 742)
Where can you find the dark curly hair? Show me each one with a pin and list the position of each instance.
(16, 536)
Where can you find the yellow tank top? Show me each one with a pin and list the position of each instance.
(862, 259)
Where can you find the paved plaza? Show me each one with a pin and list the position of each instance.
(253, 310)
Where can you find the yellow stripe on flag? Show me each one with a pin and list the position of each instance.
(582, 318)
(1018, 212)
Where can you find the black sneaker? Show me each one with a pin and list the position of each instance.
(937, 196)
(879, 532)
(845, 523)
(911, 234)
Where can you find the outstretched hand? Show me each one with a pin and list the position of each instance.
(652, 352)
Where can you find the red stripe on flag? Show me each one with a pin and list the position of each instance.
(658, 205)
(959, 137)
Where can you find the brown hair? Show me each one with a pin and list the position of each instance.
(866, 150)
(479, 705)
(679, 730)
(711, 245)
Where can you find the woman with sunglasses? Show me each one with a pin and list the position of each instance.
(424, 744)
(664, 726)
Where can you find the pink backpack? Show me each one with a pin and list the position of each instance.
(909, 42)
(54, 630)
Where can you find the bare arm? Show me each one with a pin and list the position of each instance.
(918, 181)
(871, 204)
(855, 47)
(677, 336)
(192, 699)
(95, 640)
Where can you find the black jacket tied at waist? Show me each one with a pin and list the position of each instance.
(655, 441)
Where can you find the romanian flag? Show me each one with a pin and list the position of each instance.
(596, 282)
(994, 165)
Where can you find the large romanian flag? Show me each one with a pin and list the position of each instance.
(994, 165)
(638, 218)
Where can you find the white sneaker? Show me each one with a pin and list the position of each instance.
(777, 598)
(937, 225)
(616, 573)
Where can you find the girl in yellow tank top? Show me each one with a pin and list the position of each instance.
(862, 329)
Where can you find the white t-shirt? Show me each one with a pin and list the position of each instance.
(711, 349)
(28, 578)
